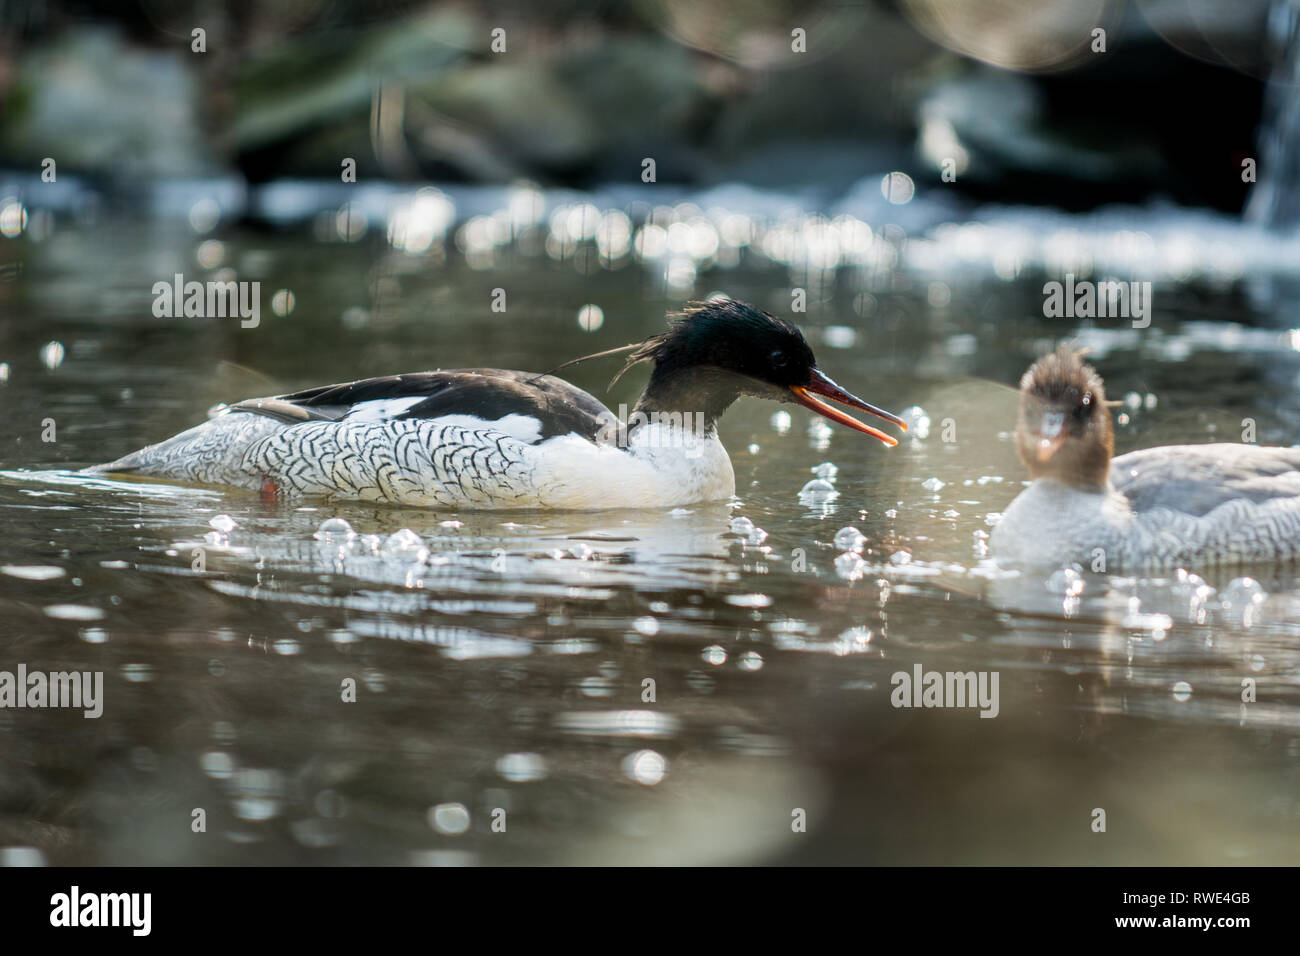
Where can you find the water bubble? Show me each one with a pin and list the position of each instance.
(781, 421)
(13, 218)
(932, 484)
(204, 215)
(742, 526)
(646, 767)
(1182, 691)
(898, 188)
(137, 673)
(1241, 599)
(853, 641)
(750, 661)
(52, 354)
(918, 421)
(646, 626)
(746, 529)
(222, 523)
(449, 819)
(336, 532)
(850, 566)
(818, 491)
(940, 296)
(850, 539)
(1196, 593)
(820, 433)
(900, 558)
(521, 767)
(590, 318)
(714, 654)
(217, 764)
(839, 336)
(827, 469)
(257, 793)
(282, 302)
(210, 253)
(404, 545)
(1067, 581)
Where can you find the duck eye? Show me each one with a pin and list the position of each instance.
(779, 359)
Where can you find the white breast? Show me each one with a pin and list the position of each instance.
(663, 466)
(1052, 524)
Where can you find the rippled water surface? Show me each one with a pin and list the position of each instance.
(623, 687)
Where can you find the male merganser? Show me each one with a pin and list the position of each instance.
(1157, 508)
(492, 438)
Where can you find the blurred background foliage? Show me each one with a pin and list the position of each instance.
(586, 89)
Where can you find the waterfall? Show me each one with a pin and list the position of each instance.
(1275, 199)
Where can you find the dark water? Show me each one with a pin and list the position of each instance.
(501, 660)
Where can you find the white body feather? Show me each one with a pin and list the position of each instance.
(1164, 508)
(453, 461)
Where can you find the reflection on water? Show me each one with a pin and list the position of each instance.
(346, 683)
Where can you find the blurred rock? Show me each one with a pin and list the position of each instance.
(309, 100)
(1139, 120)
(714, 95)
(994, 128)
(96, 104)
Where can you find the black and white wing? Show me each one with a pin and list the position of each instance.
(526, 405)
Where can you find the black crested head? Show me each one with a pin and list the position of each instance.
(732, 337)
(716, 351)
(1064, 429)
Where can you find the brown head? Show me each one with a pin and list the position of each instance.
(1064, 430)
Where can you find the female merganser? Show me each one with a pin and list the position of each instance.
(492, 438)
(1156, 508)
